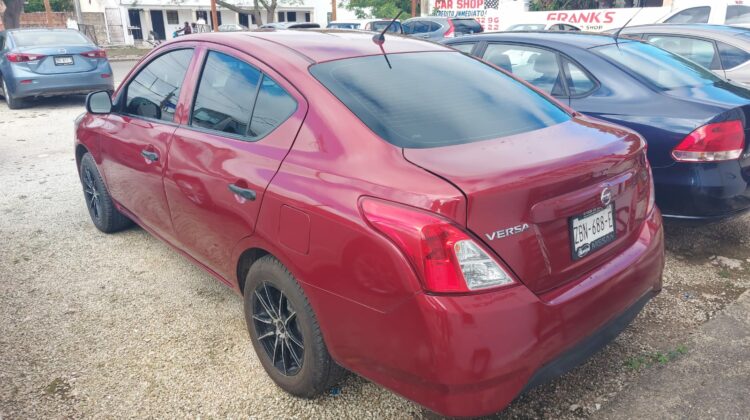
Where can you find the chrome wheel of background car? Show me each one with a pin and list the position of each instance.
(93, 197)
(275, 322)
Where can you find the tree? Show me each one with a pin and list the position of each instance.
(382, 9)
(268, 5)
(541, 5)
(12, 14)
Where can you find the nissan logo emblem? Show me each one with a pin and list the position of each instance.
(606, 196)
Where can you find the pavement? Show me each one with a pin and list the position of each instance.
(711, 381)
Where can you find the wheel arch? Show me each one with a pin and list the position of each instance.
(246, 260)
(80, 151)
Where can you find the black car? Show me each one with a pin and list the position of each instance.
(695, 123)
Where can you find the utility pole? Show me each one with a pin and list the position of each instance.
(333, 10)
(413, 8)
(79, 15)
(214, 16)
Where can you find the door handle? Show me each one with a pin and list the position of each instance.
(246, 193)
(152, 156)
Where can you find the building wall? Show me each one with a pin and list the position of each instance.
(39, 19)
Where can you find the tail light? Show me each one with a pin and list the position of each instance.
(712, 142)
(451, 32)
(95, 54)
(23, 58)
(446, 259)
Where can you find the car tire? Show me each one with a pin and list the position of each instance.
(13, 103)
(290, 347)
(99, 203)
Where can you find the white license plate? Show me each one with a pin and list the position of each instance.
(592, 230)
(63, 61)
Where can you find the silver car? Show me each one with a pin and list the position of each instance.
(50, 62)
(725, 50)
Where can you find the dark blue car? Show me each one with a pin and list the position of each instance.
(695, 124)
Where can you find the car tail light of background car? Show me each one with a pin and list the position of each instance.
(712, 142)
(446, 258)
(451, 32)
(95, 54)
(23, 58)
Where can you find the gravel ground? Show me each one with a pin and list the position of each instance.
(120, 325)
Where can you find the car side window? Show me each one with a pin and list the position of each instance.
(273, 107)
(731, 57)
(691, 15)
(464, 48)
(699, 50)
(154, 92)
(226, 95)
(579, 82)
(433, 26)
(737, 14)
(534, 65)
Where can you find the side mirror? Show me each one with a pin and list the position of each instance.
(99, 102)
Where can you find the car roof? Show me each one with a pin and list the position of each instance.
(583, 40)
(318, 45)
(710, 31)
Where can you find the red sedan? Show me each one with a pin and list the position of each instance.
(419, 218)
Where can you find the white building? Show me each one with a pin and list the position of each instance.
(131, 21)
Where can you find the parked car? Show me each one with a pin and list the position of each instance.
(543, 27)
(348, 24)
(436, 28)
(718, 12)
(232, 27)
(725, 50)
(373, 25)
(455, 252)
(694, 122)
(290, 25)
(50, 62)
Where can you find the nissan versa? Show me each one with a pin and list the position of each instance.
(455, 245)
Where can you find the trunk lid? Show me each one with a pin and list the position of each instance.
(63, 55)
(529, 186)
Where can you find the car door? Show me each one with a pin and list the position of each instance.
(242, 123)
(136, 137)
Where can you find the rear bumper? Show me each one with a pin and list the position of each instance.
(472, 355)
(703, 191)
(45, 85)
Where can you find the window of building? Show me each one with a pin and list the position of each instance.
(291, 16)
(307, 16)
(281, 16)
(172, 17)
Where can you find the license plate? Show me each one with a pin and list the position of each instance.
(65, 60)
(592, 230)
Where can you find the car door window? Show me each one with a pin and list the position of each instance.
(579, 82)
(737, 14)
(535, 65)
(154, 92)
(699, 50)
(692, 15)
(433, 26)
(464, 48)
(226, 95)
(273, 107)
(731, 57)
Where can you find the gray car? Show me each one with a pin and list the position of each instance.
(438, 28)
(50, 62)
(725, 50)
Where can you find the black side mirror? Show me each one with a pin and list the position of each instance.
(99, 102)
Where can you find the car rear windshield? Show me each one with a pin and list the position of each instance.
(659, 67)
(433, 99)
(48, 38)
(467, 26)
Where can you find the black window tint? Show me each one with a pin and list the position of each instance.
(466, 26)
(226, 95)
(464, 48)
(731, 57)
(692, 15)
(154, 92)
(272, 108)
(403, 105)
(579, 83)
(737, 14)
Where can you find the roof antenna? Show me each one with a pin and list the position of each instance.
(617, 34)
(379, 39)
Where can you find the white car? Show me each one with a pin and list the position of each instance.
(733, 13)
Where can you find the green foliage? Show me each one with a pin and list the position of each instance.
(385, 9)
(650, 359)
(542, 5)
(32, 6)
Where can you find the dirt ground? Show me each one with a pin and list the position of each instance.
(95, 325)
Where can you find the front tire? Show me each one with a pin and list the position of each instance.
(285, 332)
(13, 103)
(101, 208)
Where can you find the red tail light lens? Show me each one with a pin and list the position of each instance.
(711, 143)
(95, 54)
(451, 32)
(444, 256)
(23, 58)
